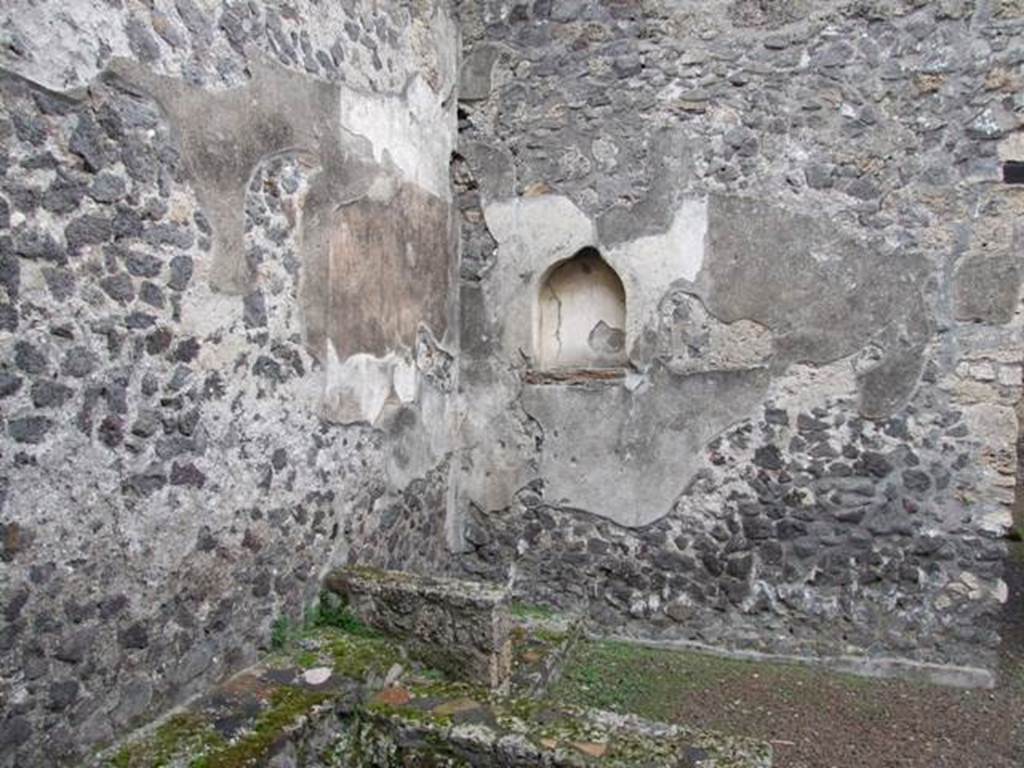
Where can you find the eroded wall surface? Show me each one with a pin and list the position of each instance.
(226, 333)
(812, 448)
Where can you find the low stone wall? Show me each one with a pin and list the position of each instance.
(354, 699)
(462, 628)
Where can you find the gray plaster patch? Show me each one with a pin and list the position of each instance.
(626, 455)
(226, 134)
(670, 156)
(361, 147)
(887, 387)
(823, 294)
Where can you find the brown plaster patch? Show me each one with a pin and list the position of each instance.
(388, 269)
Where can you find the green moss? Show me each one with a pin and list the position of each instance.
(330, 611)
(356, 656)
(307, 659)
(528, 611)
(646, 681)
(651, 682)
(281, 633)
(409, 714)
(287, 706)
(370, 741)
(183, 734)
(431, 687)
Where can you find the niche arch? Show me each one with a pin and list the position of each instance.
(581, 315)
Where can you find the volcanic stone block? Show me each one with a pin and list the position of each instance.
(462, 628)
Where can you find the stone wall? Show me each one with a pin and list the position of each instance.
(812, 447)
(189, 192)
(237, 347)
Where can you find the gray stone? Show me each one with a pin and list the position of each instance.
(986, 288)
(475, 77)
(140, 40)
(87, 142)
(142, 264)
(64, 195)
(151, 294)
(994, 122)
(16, 730)
(135, 699)
(62, 694)
(187, 474)
(79, 362)
(10, 384)
(34, 244)
(254, 310)
(140, 160)
(119, 287)
(147, 423)
(135, 636)
(75, 646)
(194, 19)
(8, 317)
(818, 176)
(50, 394)
(145, 483)
(29, 429)
(60, 282)
(30, 358)
(10, 275)
(168, 234)
(89, 229)
(107, 188)
(181, 272)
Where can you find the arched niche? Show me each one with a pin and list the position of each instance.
(581, 316)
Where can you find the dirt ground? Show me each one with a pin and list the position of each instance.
(814, 719)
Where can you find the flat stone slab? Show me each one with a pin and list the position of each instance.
(460, 627)
(455, 725)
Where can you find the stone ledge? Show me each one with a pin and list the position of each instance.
(459, 627)
(882, 667)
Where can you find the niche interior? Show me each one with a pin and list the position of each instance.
(581, 315)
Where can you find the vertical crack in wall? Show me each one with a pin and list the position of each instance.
(558, 319)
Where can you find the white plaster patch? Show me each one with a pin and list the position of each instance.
(541, 229)
(206, 311)
(357, 389)
(535, 233)
(680, 250)
(415, 134)
(808, 386)
(404, 380)
(649, 265)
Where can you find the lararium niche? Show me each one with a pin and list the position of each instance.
(581, 315)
